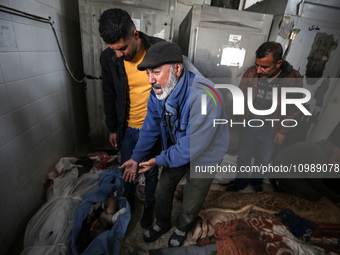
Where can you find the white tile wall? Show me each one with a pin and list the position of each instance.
(10, 64)
(59, 134)
(61, 98)
(39, 38)
(24, 118)
(12, 152)
(50, 82)
(29, 64)
(2, 167)
(24, 37)
(34, 160)
(45, 62)
(30, 139)
(4, 2)
(45, 127)
(56, 81)
(59, 21)
(18, 174)
(1, 77)
(35, 88)
(8, 129)
(22, 197)
(58, 5)
(5, 106)
(48, 3)
(51, 41)
(36, 120)
(18, 5)
(3, 15)
(58, 61)
(30, 202)
(17, 93)
(6, 188)
(39, 109)
(34, 7)
(11, 214)
(7, 36)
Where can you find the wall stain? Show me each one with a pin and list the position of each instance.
(319, 55)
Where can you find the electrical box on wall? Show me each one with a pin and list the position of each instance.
(222, 42)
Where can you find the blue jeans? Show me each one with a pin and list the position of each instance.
(254, 142)
(127, 146)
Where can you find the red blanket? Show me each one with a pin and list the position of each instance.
(253, 236)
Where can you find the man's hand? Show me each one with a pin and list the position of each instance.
(130, 172)
(113, 140)
(279, 138)
(147, 165)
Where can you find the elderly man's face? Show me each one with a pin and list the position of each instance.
(163, 79)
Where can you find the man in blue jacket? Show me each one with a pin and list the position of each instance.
(181, 113)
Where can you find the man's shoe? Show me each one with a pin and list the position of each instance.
(147, 217)
(176, 240)
(153, 233)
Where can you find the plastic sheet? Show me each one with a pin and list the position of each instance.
(49, 230)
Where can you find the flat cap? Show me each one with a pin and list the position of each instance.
(159, 54)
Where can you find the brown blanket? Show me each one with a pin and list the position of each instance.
(252, 236)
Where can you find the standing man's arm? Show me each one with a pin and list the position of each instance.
(109, 96)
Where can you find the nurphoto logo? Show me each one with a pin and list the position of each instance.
(239, 99)
(204, 97)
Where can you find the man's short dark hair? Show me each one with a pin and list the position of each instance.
(115, 24)
(270, 48)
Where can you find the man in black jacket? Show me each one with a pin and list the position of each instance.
(126, 91)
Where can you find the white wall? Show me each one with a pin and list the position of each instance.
(42, 111)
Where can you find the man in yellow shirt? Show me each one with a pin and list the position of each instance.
(126, 91)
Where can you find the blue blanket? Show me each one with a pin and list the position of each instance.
(107, 242)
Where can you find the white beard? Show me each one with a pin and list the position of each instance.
(170, 85)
